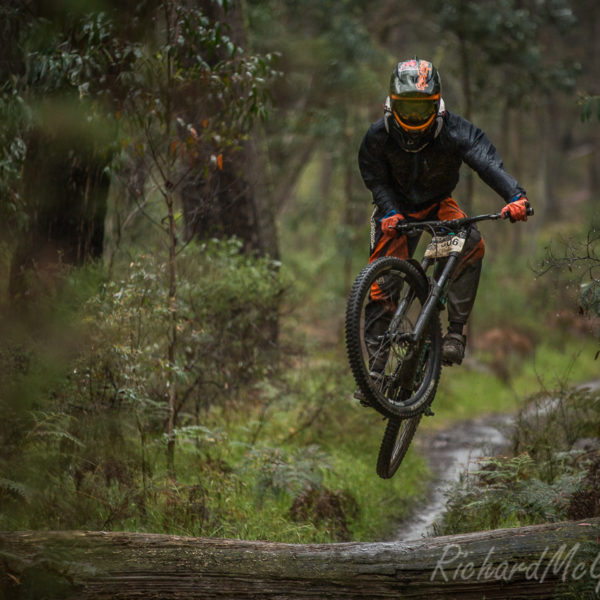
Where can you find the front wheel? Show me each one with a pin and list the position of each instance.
(396, 440)
(396, 375)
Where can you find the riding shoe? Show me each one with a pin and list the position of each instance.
(453, 348)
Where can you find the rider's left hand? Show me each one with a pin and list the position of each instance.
(516, 211)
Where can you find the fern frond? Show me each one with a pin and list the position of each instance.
(14, 487)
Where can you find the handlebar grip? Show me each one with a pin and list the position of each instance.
(529, 210)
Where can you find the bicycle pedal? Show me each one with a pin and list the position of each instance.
(428, 412)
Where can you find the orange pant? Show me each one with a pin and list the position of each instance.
(392, 245)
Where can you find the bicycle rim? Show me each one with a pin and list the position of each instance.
(397, 377)
(394, 445)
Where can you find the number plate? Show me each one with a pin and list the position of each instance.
(442, 246)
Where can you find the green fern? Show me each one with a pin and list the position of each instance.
(14, 487)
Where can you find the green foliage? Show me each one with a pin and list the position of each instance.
(262, 454)
(223, 297)
(77, 57)
(577, 261)
(507, 492)
(192, 95)
(590, 298)
(13, 113)
(282, 472)
(253, 460)
(15, 488)
(60, 84)
(509, 34)
(551, 424)
(115, 390)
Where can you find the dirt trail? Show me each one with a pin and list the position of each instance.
(449, 453)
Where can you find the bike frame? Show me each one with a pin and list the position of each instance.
(438, 285)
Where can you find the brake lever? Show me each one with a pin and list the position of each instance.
(403, 227)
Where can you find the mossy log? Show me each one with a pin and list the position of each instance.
(544, 561)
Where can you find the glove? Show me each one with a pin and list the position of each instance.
(388, 224)
(516, 211)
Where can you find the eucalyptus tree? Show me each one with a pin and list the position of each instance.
(585, 43)
(231, 201)
(329, 67)
(194, 97)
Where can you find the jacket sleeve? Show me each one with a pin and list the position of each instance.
(375, 172)
(481, 155)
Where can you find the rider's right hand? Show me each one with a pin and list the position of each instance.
(388, 224)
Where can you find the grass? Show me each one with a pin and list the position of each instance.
(311, 407)
(349, 437)
(466, 393)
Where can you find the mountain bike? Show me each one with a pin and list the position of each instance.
(394, 343)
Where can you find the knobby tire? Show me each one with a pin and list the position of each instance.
(407, 399)
(396, 440)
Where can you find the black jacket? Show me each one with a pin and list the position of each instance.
(411, 181)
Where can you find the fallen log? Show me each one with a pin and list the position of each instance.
(542, 561)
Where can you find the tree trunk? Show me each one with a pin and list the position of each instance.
(229, 204)
(66, 189)
(540, 561)
(594, 64)
(172, 335)
(233, 202)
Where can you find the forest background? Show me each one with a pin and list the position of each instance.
(182, 218)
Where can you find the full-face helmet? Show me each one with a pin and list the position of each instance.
(414, 104)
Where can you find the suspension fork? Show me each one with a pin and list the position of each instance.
(407, 300)
(436, 289)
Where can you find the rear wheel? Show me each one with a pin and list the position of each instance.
(396, 440)
(397, 376)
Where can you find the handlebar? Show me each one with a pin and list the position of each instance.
(454, 224)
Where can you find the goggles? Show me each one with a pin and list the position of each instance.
(416, 113)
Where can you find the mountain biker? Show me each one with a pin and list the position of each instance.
(410, 161)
